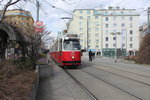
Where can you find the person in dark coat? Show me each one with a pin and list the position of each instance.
(90, 55)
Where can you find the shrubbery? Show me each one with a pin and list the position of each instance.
(144, 51)
(15, 82)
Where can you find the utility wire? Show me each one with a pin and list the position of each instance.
(66, 2)
(78, 4)
(65, 11)
(119, 2)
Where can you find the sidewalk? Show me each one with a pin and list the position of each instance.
(55, 84)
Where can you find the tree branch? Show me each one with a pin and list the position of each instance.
(9, 3)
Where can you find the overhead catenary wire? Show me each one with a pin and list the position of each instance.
(66, 11)
(75, 8)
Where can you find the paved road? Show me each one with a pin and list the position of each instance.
(114, 81)
(103, 77)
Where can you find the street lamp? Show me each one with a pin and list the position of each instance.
(115, 33)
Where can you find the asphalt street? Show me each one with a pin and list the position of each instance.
(104, 78)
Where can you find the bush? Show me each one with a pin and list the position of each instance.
(15, 83)
(144, 51)
(42, 55)
(24, 63)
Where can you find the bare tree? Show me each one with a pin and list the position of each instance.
(9, 3)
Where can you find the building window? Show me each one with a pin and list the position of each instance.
(88, 17)
(81, 17)
(96, 34)
(81, 40)
(122, 24)
(114, 25)
(88, 12)
(89, 35)
(114, 45)
(89, 23)
(81, 35)
(106, 32)
(96, 17)
(95, 12)
(106, 19)
(114, 38)
(131, 32)
(81, 23)
(81, 11)
(97, 24)
(131, 38)
(106, 45)
(114, 31)
(131, 45)
(106, 25)
(80, 28)
(89, 46)
(96, 29)
(114, 18)
(106, 38)
(89, 29)
(131, 25)
(27, 24)
(89, 41)
(122, 18)
(130, 18)
(123, 45)
(96, 40)
(96, 46)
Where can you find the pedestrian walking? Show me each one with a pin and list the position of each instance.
(90, 55)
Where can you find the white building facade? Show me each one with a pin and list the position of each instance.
(98, 29)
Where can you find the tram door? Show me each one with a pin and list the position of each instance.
(59, 51)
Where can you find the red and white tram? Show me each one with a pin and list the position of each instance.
(66, 51)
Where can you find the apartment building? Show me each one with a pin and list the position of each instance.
(107, 30)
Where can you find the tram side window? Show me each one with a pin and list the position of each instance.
(60, 46)
(71, 45)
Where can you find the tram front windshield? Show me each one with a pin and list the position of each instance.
(71, 45)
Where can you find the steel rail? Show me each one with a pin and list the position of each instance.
(114, 86)
(122, 76)
(125, 70)
(84, 88)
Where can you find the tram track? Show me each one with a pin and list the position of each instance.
(147, 84)
(82, 86)
(128, 92)
(122, 70)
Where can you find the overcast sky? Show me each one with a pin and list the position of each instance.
(63, 8)
(52, 16)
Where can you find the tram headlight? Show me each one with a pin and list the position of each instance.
(73, 57)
